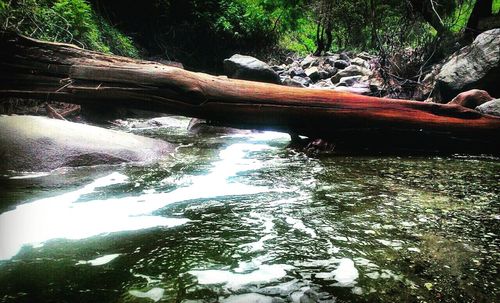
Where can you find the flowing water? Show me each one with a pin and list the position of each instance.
(242, 218)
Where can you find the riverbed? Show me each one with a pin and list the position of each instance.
(242, 218)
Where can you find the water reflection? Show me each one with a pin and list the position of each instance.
(62, 217)
(266, 224)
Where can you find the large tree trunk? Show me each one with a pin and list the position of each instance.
(61, 72)
(482, 9)
(426, 10)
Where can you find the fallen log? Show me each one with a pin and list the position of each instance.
(62, 72)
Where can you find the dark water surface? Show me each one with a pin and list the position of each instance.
(241, 218)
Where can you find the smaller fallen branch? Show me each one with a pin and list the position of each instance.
(72, 110)
(52, 113)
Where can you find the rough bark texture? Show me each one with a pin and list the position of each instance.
(482, 9)
(61, 72)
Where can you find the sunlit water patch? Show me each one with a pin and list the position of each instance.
(241, 218)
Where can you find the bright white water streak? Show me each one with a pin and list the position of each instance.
(61, 217)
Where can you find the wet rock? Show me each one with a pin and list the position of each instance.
(352, 70)
(279, 68)
(323, 74)
(309, 61)
(344, 56)
(349, 81)
(292, 82)
(330, 70)
(330, 60)
(305, 81)
(289, 60)
(474, 66)
(471, 98)
(249, 68)
(29, 143)
(341, 64)
(325, 83)
(360, 62)
(309, 296)
(297, 72)
(358, 88)
(365, 56)
(490, 108)
(201, 126)
(313, 73)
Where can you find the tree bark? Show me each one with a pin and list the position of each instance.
(482, 9)
(320, 41)
(60, 72)
(425, 9)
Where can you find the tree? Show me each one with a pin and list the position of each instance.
(482, 9)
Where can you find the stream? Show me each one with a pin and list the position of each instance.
(242, 218)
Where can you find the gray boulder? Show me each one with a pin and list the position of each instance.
(365, 56)
(330, 70)
(309, 61)
(351, 70)
(474, 66)
(297, 71)
(357, 88)
(490, 108)
(344, 56)
(331, 59)
(325, 83)
(303, 80)
(360, 62)
(292, 82)
(313, 73)
(349, 81)
(30, 143)
(249, 68)
(341, 64)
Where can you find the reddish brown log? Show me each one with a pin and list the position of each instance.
(61, 72)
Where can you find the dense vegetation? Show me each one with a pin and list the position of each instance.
(71, 21)
(200, 33)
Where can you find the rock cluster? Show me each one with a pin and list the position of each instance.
(474, 66)
(333, 71)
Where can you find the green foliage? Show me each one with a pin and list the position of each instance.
(201, 33)
(302, 39)
(496, 6)
(70, 21)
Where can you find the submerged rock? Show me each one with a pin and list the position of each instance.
(474, 66)
(29, 143)
(249, 68)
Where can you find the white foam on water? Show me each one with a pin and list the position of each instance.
(99, 261)
(247, 298)
(154, 294)
(345, 274)
(299, 225)
(60, 217)
(30, 175)
(264, 273)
